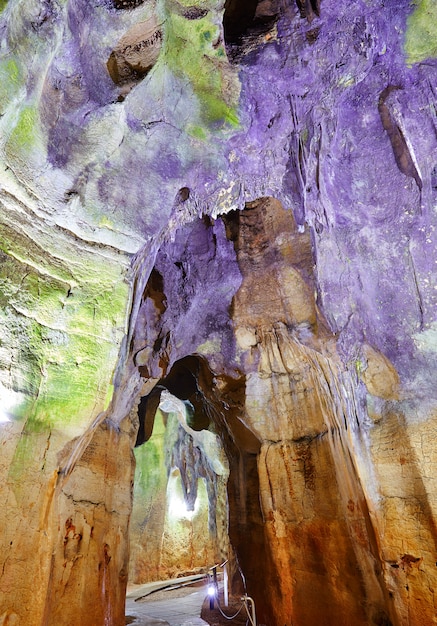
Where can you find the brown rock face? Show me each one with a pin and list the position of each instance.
(329, 513)
(283, 406)
(379, 375)
(136, 53)
(142, 282)
(79, 574)
(317, 532)
(93, 503)
(318, 513)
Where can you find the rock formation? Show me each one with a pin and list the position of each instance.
(218, 284)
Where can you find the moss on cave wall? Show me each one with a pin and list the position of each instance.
(70, 137)
(421, 34)
(193, 49)
(111, 170)
(24, 134)
(10, 79)
(150, 470)
(64, 331)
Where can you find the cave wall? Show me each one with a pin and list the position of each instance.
(277, 167)
(305, 490)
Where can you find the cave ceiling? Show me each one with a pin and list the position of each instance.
(226, 208)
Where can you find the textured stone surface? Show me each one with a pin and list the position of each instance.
(136, 52)
(262, 200)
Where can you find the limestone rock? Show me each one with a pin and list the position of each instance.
(135, 53)
(379, 375)
(250, 226)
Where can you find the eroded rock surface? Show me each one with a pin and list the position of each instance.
(257, 194)
(135, 54)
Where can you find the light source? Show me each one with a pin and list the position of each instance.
(8, 399)
(177, 506)
(3, 416)
(211, 595)
(178, 509)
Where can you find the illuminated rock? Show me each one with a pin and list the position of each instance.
(244, 220)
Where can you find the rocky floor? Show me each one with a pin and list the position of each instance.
(214, 617)
(183, 606)
(178, 605)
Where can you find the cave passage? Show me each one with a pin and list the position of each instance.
(182, 382)
(180, 482)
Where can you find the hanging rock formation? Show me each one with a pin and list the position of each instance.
(226, 210)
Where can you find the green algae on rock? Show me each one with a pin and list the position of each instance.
(68, 316)
(193, 48)
(421, 34)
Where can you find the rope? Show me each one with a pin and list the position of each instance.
(244, 604)
(229, 616)
(248, 614)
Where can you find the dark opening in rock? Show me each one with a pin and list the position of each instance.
(146, 414)
(308, 8)
(238, 16)
(182, 195)
(194, 13)
(183, 382)
(127, 4)
(247, 21)
(136, 53)
(155, 290)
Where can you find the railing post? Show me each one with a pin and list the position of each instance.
(225, 584)
(252, 615)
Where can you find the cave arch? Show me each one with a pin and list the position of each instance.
(187, 302)
(242, 343)
(183, 382)
(181, 477)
